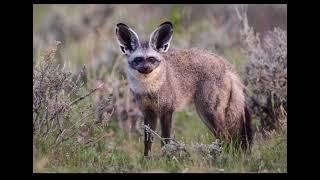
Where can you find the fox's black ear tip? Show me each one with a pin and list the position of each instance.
(121, 24)
(167, 23)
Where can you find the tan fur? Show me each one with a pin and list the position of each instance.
(200, 76)
(179, 78)
(144, 83)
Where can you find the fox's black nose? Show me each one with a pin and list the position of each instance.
(145, 70)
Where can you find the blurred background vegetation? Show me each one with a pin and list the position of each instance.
(81, 128)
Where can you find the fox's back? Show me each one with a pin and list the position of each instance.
(196, 63)
(189, 68)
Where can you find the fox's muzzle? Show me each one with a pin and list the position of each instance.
(145, 70)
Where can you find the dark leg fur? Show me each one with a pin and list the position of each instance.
(150, 119)
(246, 130)
(165, 121)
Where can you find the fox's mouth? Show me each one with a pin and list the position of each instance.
(145, 70)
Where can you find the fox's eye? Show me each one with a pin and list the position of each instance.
(137, 61)
(151, 59)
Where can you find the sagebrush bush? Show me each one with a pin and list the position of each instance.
(209, 151)
(266, 75)
(57, 113)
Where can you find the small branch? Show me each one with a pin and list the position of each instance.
(60, 135)
(81, 73)
(76, 101)
(161, 138)
(70, 128)
(88, 94)
(237, 12)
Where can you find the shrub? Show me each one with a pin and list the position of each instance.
(60, 108)
(266, 73)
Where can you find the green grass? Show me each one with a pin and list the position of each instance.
(123, 153)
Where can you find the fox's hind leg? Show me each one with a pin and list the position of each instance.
(246, 130)
(221, 107)
(210, 104)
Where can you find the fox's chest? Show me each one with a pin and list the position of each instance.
(156, 101)
(140, 87)
(149, 83)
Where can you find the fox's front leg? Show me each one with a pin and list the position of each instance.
(150, 120)
(166, 121)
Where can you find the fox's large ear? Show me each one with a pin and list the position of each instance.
(127, 38)
(161, 37)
